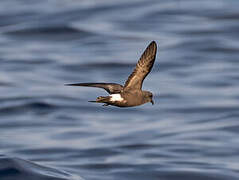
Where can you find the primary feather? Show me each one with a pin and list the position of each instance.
(143, 68)
(111, 88)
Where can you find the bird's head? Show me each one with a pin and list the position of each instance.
(148, 97)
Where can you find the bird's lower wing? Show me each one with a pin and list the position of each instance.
(111, 88)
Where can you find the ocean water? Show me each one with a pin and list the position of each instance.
(50, 131)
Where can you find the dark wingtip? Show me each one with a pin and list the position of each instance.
(71, 84)
(153, 43)
(152, 46)
(93, 101)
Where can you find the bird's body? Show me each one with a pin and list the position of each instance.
(131, 93)
(124, 99)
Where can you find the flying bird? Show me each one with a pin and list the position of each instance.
(131, 94)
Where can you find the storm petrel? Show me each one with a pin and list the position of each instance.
(131, 93)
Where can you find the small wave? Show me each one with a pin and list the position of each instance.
(45, 30)
(35, 106)
(15, 168)
(59, 31)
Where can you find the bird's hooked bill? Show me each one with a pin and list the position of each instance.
(152, 102)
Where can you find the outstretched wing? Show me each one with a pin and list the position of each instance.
(111, 88)
(143, 68)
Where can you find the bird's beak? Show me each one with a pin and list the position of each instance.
(152, 101)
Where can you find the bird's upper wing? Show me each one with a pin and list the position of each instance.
(111, 88)
(143, 67)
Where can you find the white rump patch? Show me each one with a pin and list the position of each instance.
(116, 97)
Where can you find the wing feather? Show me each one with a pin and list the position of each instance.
(111, 88)
(143, 68)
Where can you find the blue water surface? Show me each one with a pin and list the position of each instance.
(49, 131)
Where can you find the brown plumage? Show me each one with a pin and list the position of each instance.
(143, 68)
(111, 88)
(130, 94)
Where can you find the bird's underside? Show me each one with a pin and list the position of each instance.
(130, 94)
